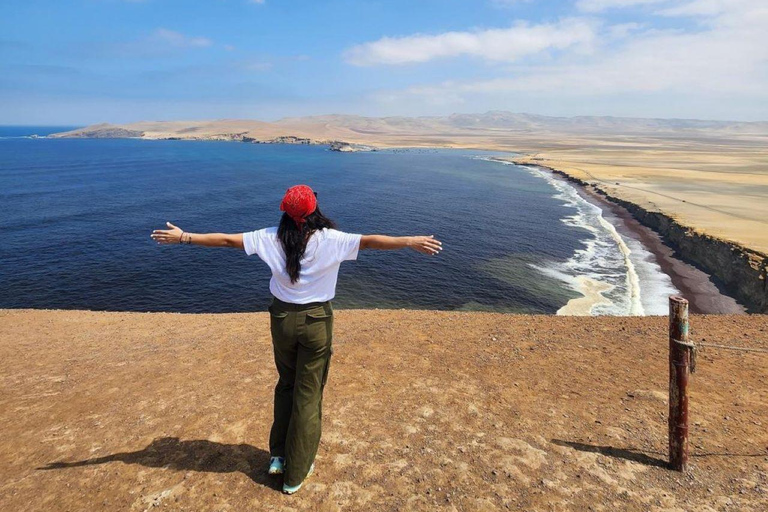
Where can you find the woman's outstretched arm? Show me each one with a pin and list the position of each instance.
(176, 235)
(425, 244)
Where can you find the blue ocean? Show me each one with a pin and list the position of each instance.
(76, 215)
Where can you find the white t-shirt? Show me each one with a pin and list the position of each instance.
(326, 249)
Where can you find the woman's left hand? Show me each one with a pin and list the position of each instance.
(425, 244)
(167, 236)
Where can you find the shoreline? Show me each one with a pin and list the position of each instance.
(694, 284)
(689, 257)
(740, 271)
(704, 296)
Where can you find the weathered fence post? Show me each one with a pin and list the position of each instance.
(679, 370)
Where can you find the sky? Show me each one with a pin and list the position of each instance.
(88, 61)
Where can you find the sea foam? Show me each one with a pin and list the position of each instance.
(616, 275)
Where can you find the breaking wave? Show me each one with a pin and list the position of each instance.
(616, 275)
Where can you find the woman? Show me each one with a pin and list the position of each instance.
(304, 254)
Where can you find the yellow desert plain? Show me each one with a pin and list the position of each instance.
(710, 176)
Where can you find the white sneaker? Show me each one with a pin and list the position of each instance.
(276, 466)
(287, 489)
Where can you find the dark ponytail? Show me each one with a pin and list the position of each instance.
(295, 240)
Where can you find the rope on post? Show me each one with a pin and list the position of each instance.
(692, 347)
(695, 347)
(729, 347)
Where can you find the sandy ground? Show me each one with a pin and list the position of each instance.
(424, 411)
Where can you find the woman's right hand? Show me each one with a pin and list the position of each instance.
(425, 244)
(167, 236)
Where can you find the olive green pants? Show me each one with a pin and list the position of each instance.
(301, 337)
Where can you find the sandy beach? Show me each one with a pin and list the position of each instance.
(424, 411)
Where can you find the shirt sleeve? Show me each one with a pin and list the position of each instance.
(252, 241)
(347, 245)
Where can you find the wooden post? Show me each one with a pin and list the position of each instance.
(679, 370)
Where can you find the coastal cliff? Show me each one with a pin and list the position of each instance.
(741, 271)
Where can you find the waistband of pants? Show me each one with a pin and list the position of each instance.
(289, 306)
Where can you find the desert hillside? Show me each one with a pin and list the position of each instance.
(424, 411)
(491, 127)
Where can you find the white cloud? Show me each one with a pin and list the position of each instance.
(506, 45)
(603, 5)
(622, 30)
(177, 39)
(726, 56)
(701, 8)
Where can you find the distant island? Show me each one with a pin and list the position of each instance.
(702, 185)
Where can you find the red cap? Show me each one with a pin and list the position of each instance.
(298, 202)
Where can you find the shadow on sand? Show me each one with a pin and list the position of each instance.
(610, 451)
(199, 455)
(642, 458)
